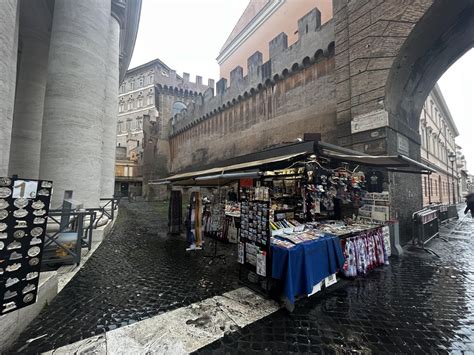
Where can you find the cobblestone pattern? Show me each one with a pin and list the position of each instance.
(136, 273)
(418, 304)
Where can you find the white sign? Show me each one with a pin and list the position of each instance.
(26, 189)
(262, 263)
(403, 146)
(369, 121)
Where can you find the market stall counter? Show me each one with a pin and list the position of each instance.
(307, 211)
(305, 265)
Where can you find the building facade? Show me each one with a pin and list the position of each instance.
(262, 21)
(439, 150)
(150, 95)
(60, 67)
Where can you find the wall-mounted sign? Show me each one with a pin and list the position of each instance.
(369, 121)
(403, 146)
(24, 207)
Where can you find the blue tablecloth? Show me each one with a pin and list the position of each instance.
(306, 264)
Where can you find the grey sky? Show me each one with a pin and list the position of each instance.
(188, 34)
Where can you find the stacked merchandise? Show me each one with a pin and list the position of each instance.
(376, 206)
(330, 192)
(194, 235)
(364, 252)
(24, 206)
(175, 212)
(254, 244)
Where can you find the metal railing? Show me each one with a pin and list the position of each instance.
(426, 227)
(64, 245)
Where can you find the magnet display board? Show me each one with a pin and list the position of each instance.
(24, 207)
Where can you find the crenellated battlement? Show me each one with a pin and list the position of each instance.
(158, 73)
(315, 42)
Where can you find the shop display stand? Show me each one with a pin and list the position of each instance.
(250, 209)
(214, 255)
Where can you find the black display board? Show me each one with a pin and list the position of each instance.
(254, 233)
(24, 206)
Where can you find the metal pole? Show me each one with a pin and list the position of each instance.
(452, 172)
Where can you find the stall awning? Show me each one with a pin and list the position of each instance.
(250, 164)
(397, 163)
(228, 172)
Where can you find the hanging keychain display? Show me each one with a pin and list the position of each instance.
(24, 205)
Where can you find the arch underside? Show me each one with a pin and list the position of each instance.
(442, 35)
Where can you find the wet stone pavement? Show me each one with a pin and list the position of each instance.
(418, 304)
(136, 273)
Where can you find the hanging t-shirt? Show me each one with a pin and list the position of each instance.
(375, 181)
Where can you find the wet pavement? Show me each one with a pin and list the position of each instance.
(418, 304)
(136, 273)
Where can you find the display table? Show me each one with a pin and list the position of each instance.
(303, 266)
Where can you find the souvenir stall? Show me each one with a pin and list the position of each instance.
(307, 211)
(24, 207)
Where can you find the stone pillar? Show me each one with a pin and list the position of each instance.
(9, 22)
(71, 147)
(109, 127)
(30, 89)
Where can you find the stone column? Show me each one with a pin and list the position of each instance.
(109, 127)
(71, 147)
(9, 22)
(25, 149)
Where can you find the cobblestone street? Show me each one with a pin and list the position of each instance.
(418, 304)
(136, 273)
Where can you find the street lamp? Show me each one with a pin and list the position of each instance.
(452, 158)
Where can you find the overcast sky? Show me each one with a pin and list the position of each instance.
(188, 34)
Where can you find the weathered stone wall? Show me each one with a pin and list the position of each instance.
(369, 35)
(302, 103)
(277, 101)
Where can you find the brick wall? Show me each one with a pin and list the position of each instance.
(280, 112)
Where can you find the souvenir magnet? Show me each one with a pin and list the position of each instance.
(13, 267)
(39, 220)
(5, 192)
(3, 214)
(9, 294)
(3, 226)
(33, 251)
(3, 235)
(30, 275)
(43, 192)
(35, 241)
(33, 261)
(12, 281)
(21, 202)
(28, 288)
(20, 213)
(3, 204)
(47, 184)
(9, 306)
(28, 298)
(15, 256)
(18, 234)
(2, 244)
(21, 224)
(14, 245)
(39, 212)
(36, 231)
(37, 205)
(4, 181)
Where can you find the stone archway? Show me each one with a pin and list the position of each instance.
(441, 36)
(389, 55)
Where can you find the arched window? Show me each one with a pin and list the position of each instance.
(140, 82)
(178, 106)
(140, 99)
(151, 78)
